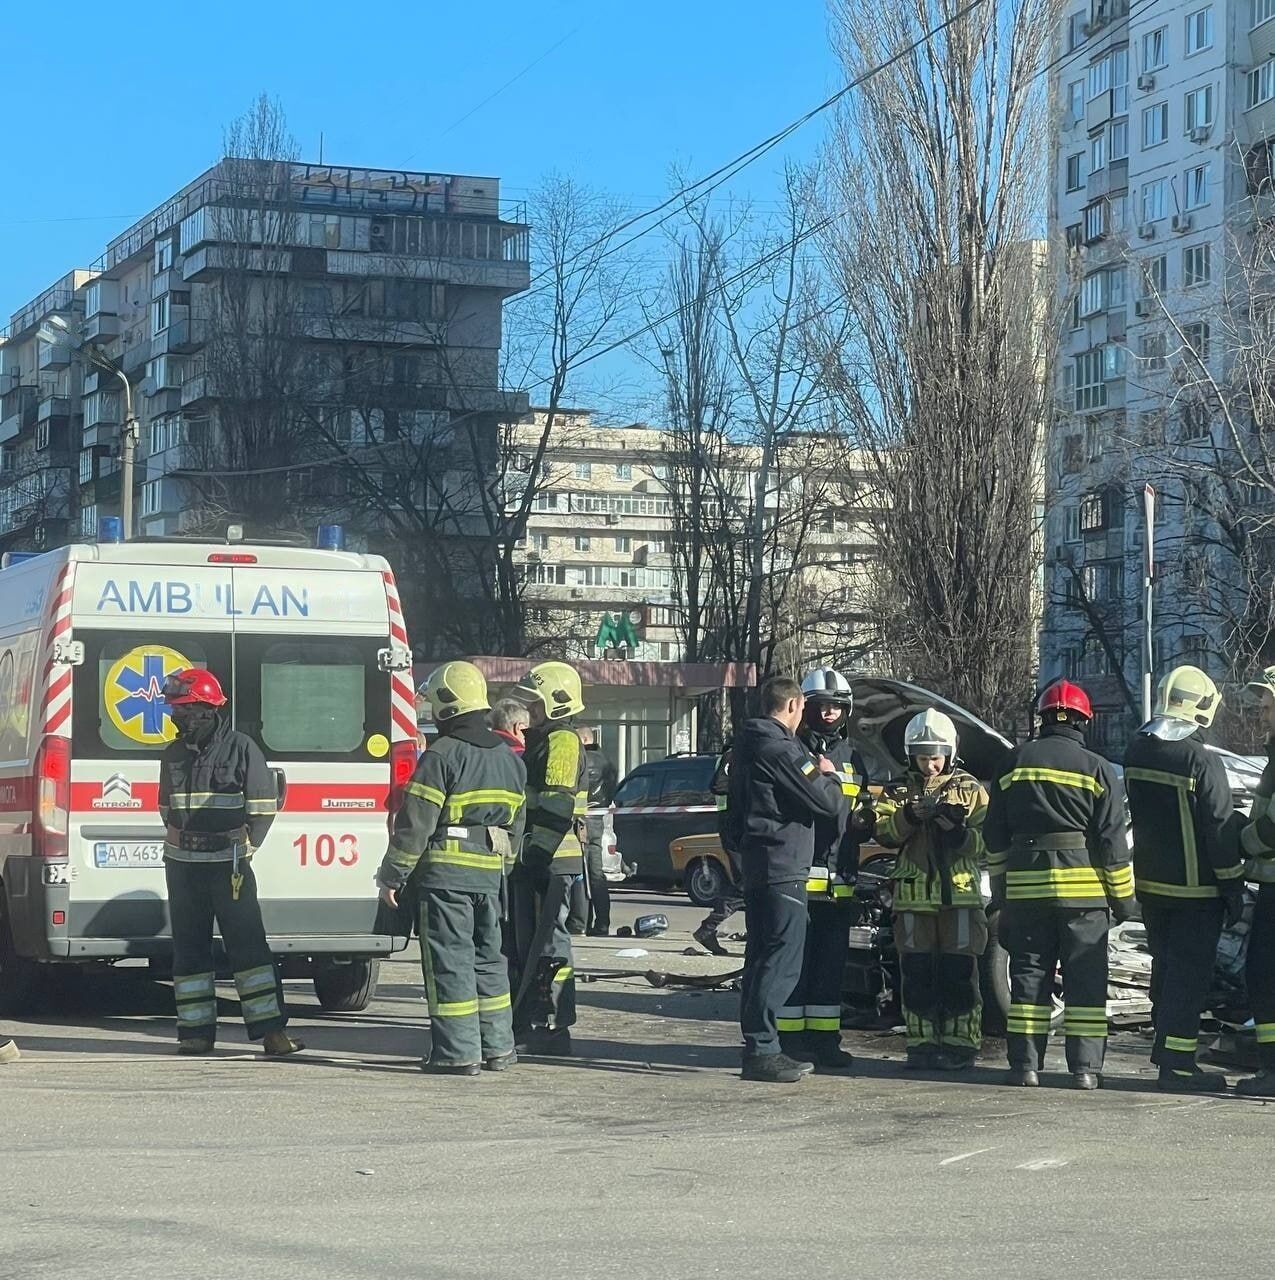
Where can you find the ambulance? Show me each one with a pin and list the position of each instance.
(310, 647)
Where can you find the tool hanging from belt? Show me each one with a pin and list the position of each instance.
(236, 876)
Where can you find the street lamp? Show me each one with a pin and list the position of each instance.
(56, 332)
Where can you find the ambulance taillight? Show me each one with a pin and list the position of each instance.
(402, 766)
(51, 818)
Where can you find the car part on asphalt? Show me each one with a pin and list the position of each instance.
(650, 926)
(694, 981)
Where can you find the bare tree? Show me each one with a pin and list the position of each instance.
(935, 193)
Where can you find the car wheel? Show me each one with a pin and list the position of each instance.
(21, 979)
(346, 987)
(705, 882)
(993, 979)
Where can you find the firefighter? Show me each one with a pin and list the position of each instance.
(552, 856)
(1187, 870)
(934, 816)
(461, 820)
(1059, 865)
(217, 799)
(731, 899)
(1257, 844)
(810, 1023)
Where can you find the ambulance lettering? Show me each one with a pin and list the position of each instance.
(168, 597)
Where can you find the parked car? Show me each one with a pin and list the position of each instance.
(659, 802)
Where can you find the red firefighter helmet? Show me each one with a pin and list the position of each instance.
(1063, 699)
(193, 684)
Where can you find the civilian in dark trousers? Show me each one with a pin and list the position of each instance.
(777, 790)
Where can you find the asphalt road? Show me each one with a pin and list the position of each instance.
(645, 1156)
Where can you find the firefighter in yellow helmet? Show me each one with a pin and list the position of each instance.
(455, 835)
(1187, 868)
(933, 816)
(552, 856)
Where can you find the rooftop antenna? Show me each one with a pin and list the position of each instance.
(320, 146)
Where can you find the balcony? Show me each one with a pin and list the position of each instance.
(195, 388)
(101, 327)
(204, 263)
(45, 305)
(101, 409)
(181, 336)
(1261, 40)
(50, 356)
(386, 329)
(53, 407)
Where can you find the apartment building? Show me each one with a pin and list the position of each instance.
(364, 304)
(604, 529)
(1161, 110)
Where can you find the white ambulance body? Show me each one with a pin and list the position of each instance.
(311, 650)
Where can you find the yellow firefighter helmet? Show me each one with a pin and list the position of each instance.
(557, 685)
(1188, 694)
(455, 688)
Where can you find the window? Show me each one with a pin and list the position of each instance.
(1075, 313)
(1152, 351)
(1099, 77)
(538, 542)
(1093, 294)
(583, 470)
(1098, 151)
(1199, 108)
(686, 784)
(1115, 287)
(583, 542)
(1112, 361)
(325, 231)
(1093, 512)
(42, 435)
(1262, 11)
(163, 254)
(1104, 580)
(88, 520)
(623, 544)
(159, 315)
(1195, 266)
(1071, 524)
(1155, 49)
(1094, 439)
(1154, 200)
(1197, 337)
(1120, 80)
(158, 441)
(1154, 276)
(1261, 84)
(623, 471)
(152, 499)
(86, 466)
(1072, 454)
(1194, 421)
(1199, 30)
(1196, 187)
(1118, 140)
(1076, 99)
(1091, 391)
(639, 788)
(1075, 171)
(1096, 221)
(1155, 124)
(1075, 234)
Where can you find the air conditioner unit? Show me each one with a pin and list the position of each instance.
(1147, 230)
(577, 593)
(1201, 132)
(532, 555)
(1182, 222)
(1144, 306)
(1146, 82)
(612, 518)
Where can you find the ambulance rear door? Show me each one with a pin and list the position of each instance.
(309, 687)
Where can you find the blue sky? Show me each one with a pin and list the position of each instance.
(112, 108)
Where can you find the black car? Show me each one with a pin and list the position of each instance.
(656, 804)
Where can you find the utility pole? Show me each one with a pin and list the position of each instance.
(128, 455)
(1148, 584)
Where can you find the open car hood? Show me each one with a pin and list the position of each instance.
(882, 709)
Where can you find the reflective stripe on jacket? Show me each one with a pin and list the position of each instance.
(1185, 828)
(936, 868)
(1257, 840)
(1055, 826)
(462, 813)
(557, 800)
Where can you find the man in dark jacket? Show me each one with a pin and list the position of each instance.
(217, 799)
(1059, 865)
(1187, 868)
(777, 792)
(461, 818)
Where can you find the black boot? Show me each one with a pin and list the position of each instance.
(541, 1042)
(1189, 1080)
(1086, 1080)
(956, 1059)
(774, 1068)
(502, 1061)
(450, 1068)
(1261, 1085)
(832, 1060)
(1024, 1077)
(708, 939)
(923, 1057)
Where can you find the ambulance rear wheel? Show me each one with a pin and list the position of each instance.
(346, 987)
(21, 979)
(705, 882)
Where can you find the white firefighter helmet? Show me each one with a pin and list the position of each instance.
(930, 733)
(826, 685)
(1187, 694)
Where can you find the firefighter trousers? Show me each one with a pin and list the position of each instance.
(1182, 938)
(200, 894)
(1041, 936)
(1259, 974)
(466, 978)
(550, 1002)
(938, 977)
(811, 1018)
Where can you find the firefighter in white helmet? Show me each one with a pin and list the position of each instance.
(933, 816)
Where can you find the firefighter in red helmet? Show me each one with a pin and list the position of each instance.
(1059, 865)
(217, 799)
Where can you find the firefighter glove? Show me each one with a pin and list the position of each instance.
(1123, 909)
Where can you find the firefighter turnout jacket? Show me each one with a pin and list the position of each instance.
(462, 813)
(1055, 826)
(1257, 840)
(557, 800)
(214, 796)
(836, 856)
(776, 794)
(1186, 843)
(940, 858)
